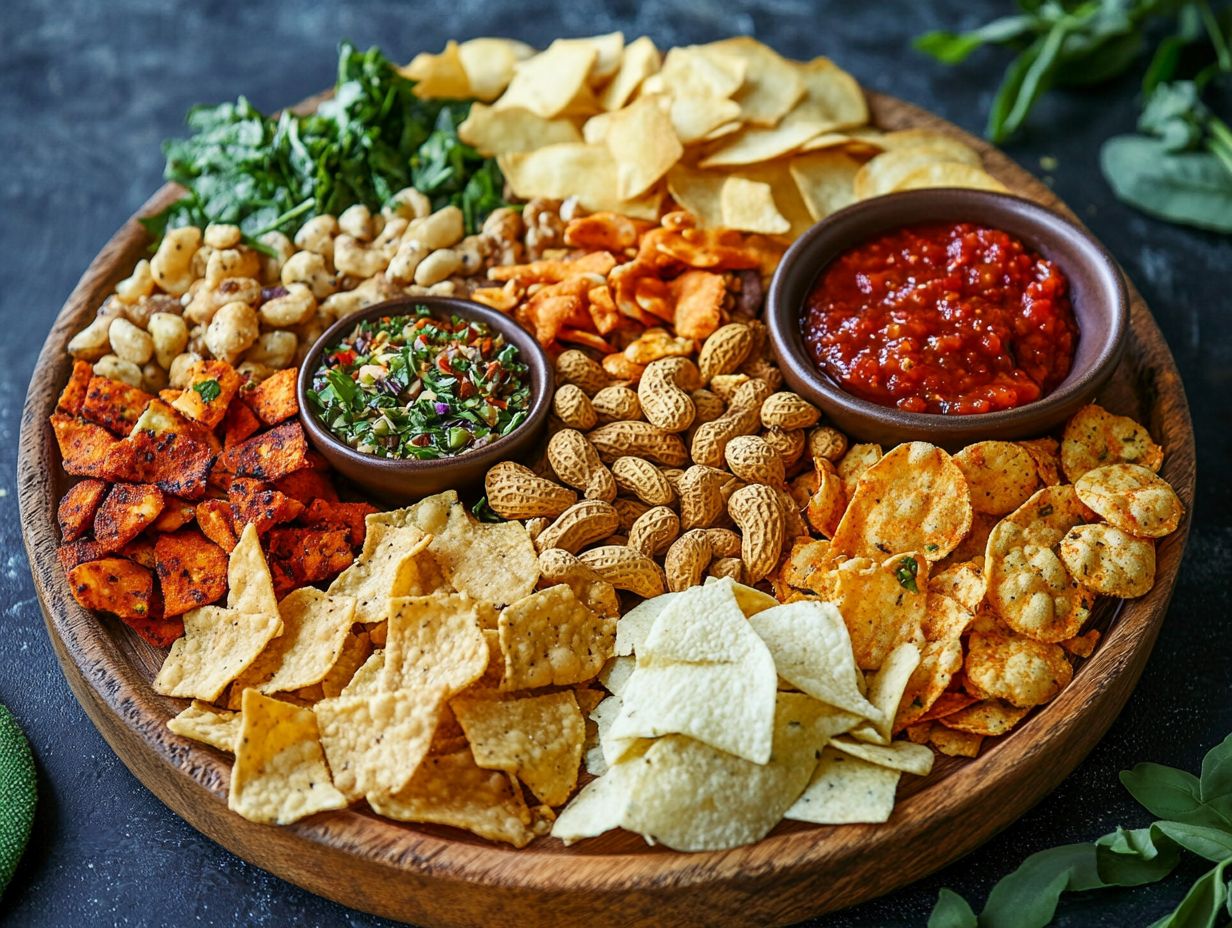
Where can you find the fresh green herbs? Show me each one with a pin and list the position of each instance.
(1179, 166)
(372, 139)
(906, 572)
(418, 387)
(1195, 815)
(209, 390)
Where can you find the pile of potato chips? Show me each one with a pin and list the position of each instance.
(735, 133)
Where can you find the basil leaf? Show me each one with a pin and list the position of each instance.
(1192, 188)
(208, 390)
(952, 48)
(1212, 843)
(1204, 906)
(1165, 792)
(1217, 771)
(952, 911)
(1132, 857)
(1028, 897)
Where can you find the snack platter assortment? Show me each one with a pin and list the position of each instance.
(699, 642)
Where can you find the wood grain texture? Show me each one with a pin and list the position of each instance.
(438, 876)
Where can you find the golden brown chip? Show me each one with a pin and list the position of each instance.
(395, 562)
(949, 174)
(538, 739)
(434, 641)
(1021, 671)
(643, 143)
(496, 131)
(1000, 475)
(553, 83)
(1095, 437)
(1046, 453)
(638, 61)
(825, 180)
(963, 582)
(550, 639)
(855, 462)
(955, 743)
(489, 64)
(882, 603)
(939, 661)
(749, 206)
(1083, 645)
(1107, 560)
(1132, 498)
(886, 171)
(945, 618)
(986, 717)
(772, 85)
(440, 75)
(315, 627)
(913, 499)
(826, 506)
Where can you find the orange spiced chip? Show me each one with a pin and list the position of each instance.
(74, 394)
(77, 508)
(114, 405)
(274, 398)
(192, 571)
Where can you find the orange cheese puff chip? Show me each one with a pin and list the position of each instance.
(351, 516)
(605, 232)
(175, 515)
(124, 514)
(74, 394)
(274, 399)
(254, 502)
(595, 262)
(602, 308)
(310, 555)
(176, 464)
(192, 571)
(85, 448)
(114, 585)
(239, 423)
(77, 508)
(114, 405)
(699, 297)
(306, 486)
(211, 387)
(78, 552)
(214, 519)
(271, 455)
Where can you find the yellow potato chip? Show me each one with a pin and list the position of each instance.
(633, 627)
(588, 172)
(962, 582)
(754, 145)
(879, 611)
(787, 197)
(1001, 475)
(439, 76)
(831, 95)
(949, 174)
(218, 645)
(807, 557)
(367, 679)
(1028, 585)
(954, 149)
(694, 72)
(885, 691)
(913, 499)
(987, 717)
(854, 463)
(219, 728)
(1132, 498)
(1021, 671)
(749, 206)
(451, 789)
(812, 651)
(1107, 560)
(394, 562)
(939, 661)
(889, 169)
(609, 53)
(1095, 437)
(434, 641)
(550, 83)
(643, 144)
(497, 131)
(279, 775)
(314, 629)
(845, 790)
(249, 586)
(374, 742)
(489, 64)
(955, 743)
(703, 119)
(825, 180)
(538, 739)
(772, 85)
(699, 192)
(829, 140)
(638, 61)
(550, 639)
(897, 755)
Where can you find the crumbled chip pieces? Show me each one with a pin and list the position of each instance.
(434, 641)
(538, 739)
(1131, 498)
(1095, 437)
(219, 728)
(913, 499)
(551, 639)
(1020, 670)
(279, 774)
(1109, 561)
(846, 789)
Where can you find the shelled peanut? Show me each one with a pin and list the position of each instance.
(694, 464)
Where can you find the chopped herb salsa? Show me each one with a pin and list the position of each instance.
(415, 386)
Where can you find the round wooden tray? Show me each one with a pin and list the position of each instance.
(442, 877)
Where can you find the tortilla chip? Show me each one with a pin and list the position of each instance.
(279, 775)
(489, 64)
(367, 679)
(395, 562)
(434, 641)
(495, 131)
(192, 571)
(315, 629)
(643, 144)
(638, 61)
(77, 507)
(211, 387)
(356, 651)
(85, 448)
(553, 82)
(112, 404)
(772, 85)
(248, 577)
(439, 75)
(375, 742)
(550, 639)
(124, 514)
(825, 180)
(219, 728)
(218, 645)
(886, 690)
(538, 739)
(845, 789)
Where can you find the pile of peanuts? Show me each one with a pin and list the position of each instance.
(205, 294)
(683, 471)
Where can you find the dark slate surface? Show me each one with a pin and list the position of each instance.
(87, 91)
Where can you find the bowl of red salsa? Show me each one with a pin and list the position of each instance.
(417, 395)
(947, 315)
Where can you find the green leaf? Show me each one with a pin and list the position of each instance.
(1204, 906)
(1193, 188)
(1028, 897)
(953, 48)
(1212, 843)
(1007, 93)
(1165, 792)
(952, 911)
(1217, 771)
(209, 390)
(1037, 77)
(1132, 857)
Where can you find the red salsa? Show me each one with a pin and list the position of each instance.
(943, 318)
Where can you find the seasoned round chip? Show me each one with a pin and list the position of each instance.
(963, 582)
(1095, 437)
(1046, 453)
(855, 462)
(1107, 560)
(1131, 498)
(986, 717)
(971, 548)
(1000, 474)
(1019, 670)
(939, 661)
(913, 499)
(1028, 584)
(944, 618)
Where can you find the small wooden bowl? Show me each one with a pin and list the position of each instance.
(400, 482)
(1097, 291)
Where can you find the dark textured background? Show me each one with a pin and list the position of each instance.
(87, 91)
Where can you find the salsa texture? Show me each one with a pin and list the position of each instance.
(415, 386)
(942, 318)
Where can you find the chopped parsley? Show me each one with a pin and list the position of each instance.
(906, 572)
(415, 386)
(209, 390)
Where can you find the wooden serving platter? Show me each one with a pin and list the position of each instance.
(442, 877)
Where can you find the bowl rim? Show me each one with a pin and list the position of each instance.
(1063, 235)
(536, 359)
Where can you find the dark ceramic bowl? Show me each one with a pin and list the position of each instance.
(1097, 291)
(398, 481)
